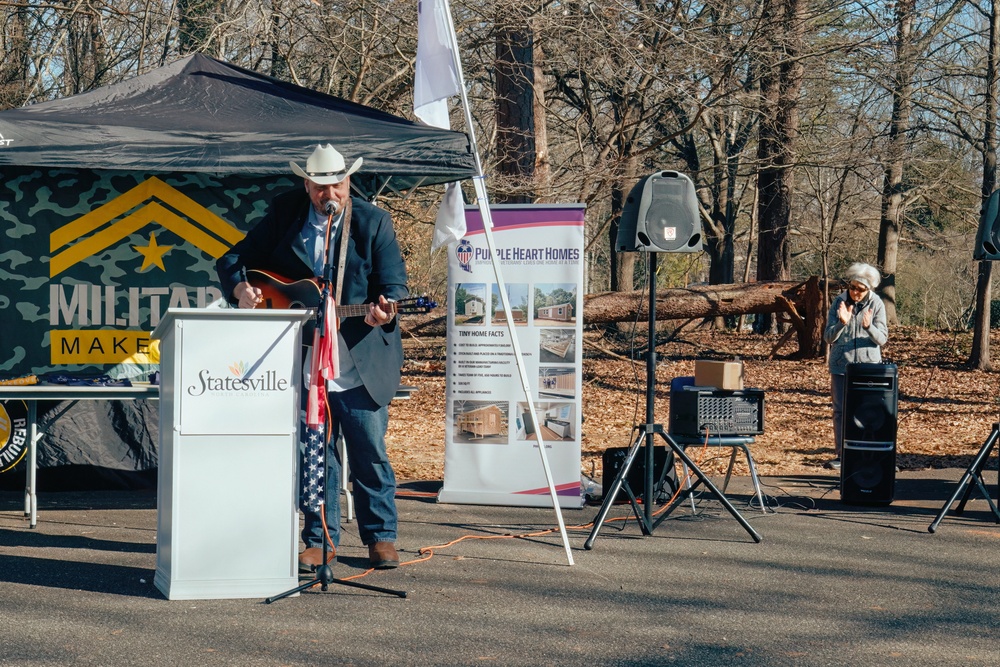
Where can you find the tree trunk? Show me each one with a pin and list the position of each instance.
(979, 358)
(196, 19)
(781, 81)
(543, 168)
(621, 264)
(892, 185)
(718, 227)
(15, 67)
(515, 107)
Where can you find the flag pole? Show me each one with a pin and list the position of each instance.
(482, 200)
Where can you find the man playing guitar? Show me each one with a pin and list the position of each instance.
(301, 237)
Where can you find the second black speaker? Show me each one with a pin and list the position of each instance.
(867, 474)
(613, 461)
(868, 460)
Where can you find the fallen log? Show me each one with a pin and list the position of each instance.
(800, 303)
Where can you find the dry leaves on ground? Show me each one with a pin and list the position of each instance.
(945, 411)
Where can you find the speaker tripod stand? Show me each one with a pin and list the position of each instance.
(324, 573)
(974, 473)
(647, 432)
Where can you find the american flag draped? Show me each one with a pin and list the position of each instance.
(323, 367)
(313, 469)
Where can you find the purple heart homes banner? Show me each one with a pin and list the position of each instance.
(490, 437)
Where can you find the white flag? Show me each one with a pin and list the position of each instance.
(436, 80)
(436, 70)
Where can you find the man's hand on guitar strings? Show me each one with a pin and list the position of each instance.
(250, 296)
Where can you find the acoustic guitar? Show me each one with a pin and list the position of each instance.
(280, 292)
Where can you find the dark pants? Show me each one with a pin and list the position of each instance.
(838, 384)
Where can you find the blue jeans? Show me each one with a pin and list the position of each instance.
(363, 423)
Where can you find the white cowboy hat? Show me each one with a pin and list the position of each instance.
(325, 166)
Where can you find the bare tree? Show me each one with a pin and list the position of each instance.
(515, 104)
(610, 92)
(86, 51)
(16, 46)
(899, 126)
(196, 22)
(542, 169)
(907, 48)
(728, 130)
(781, 81)
(980, 355)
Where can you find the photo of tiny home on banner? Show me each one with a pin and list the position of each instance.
(490, 436)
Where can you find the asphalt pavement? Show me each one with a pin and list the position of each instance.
(828, 584)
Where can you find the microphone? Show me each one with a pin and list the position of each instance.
(331, 207)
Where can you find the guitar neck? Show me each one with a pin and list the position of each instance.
(278, 292)
(361, 309)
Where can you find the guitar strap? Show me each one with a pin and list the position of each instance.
(345, 235)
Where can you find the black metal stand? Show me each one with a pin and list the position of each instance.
(647, 431)
(974, 473)
(324, 577)
(324, 573)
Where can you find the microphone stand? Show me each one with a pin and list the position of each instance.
(324, 573)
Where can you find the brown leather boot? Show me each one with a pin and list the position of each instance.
(383, 556)
(312, 558)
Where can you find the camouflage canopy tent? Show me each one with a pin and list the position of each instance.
(115, 203)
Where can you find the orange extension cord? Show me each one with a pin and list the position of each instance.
(426, 553)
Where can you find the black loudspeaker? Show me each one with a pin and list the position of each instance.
(614, 459)
(870, 402)
(868, 461)
(867, 474)
(988, 237)
(660, 215)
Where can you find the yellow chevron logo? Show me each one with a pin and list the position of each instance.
(109, 223)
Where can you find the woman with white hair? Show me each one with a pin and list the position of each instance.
(856, 330)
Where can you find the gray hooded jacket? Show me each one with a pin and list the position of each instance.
(851, 342)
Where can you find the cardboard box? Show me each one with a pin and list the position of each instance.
(719, 374)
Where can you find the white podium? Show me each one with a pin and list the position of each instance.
(227, 488)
